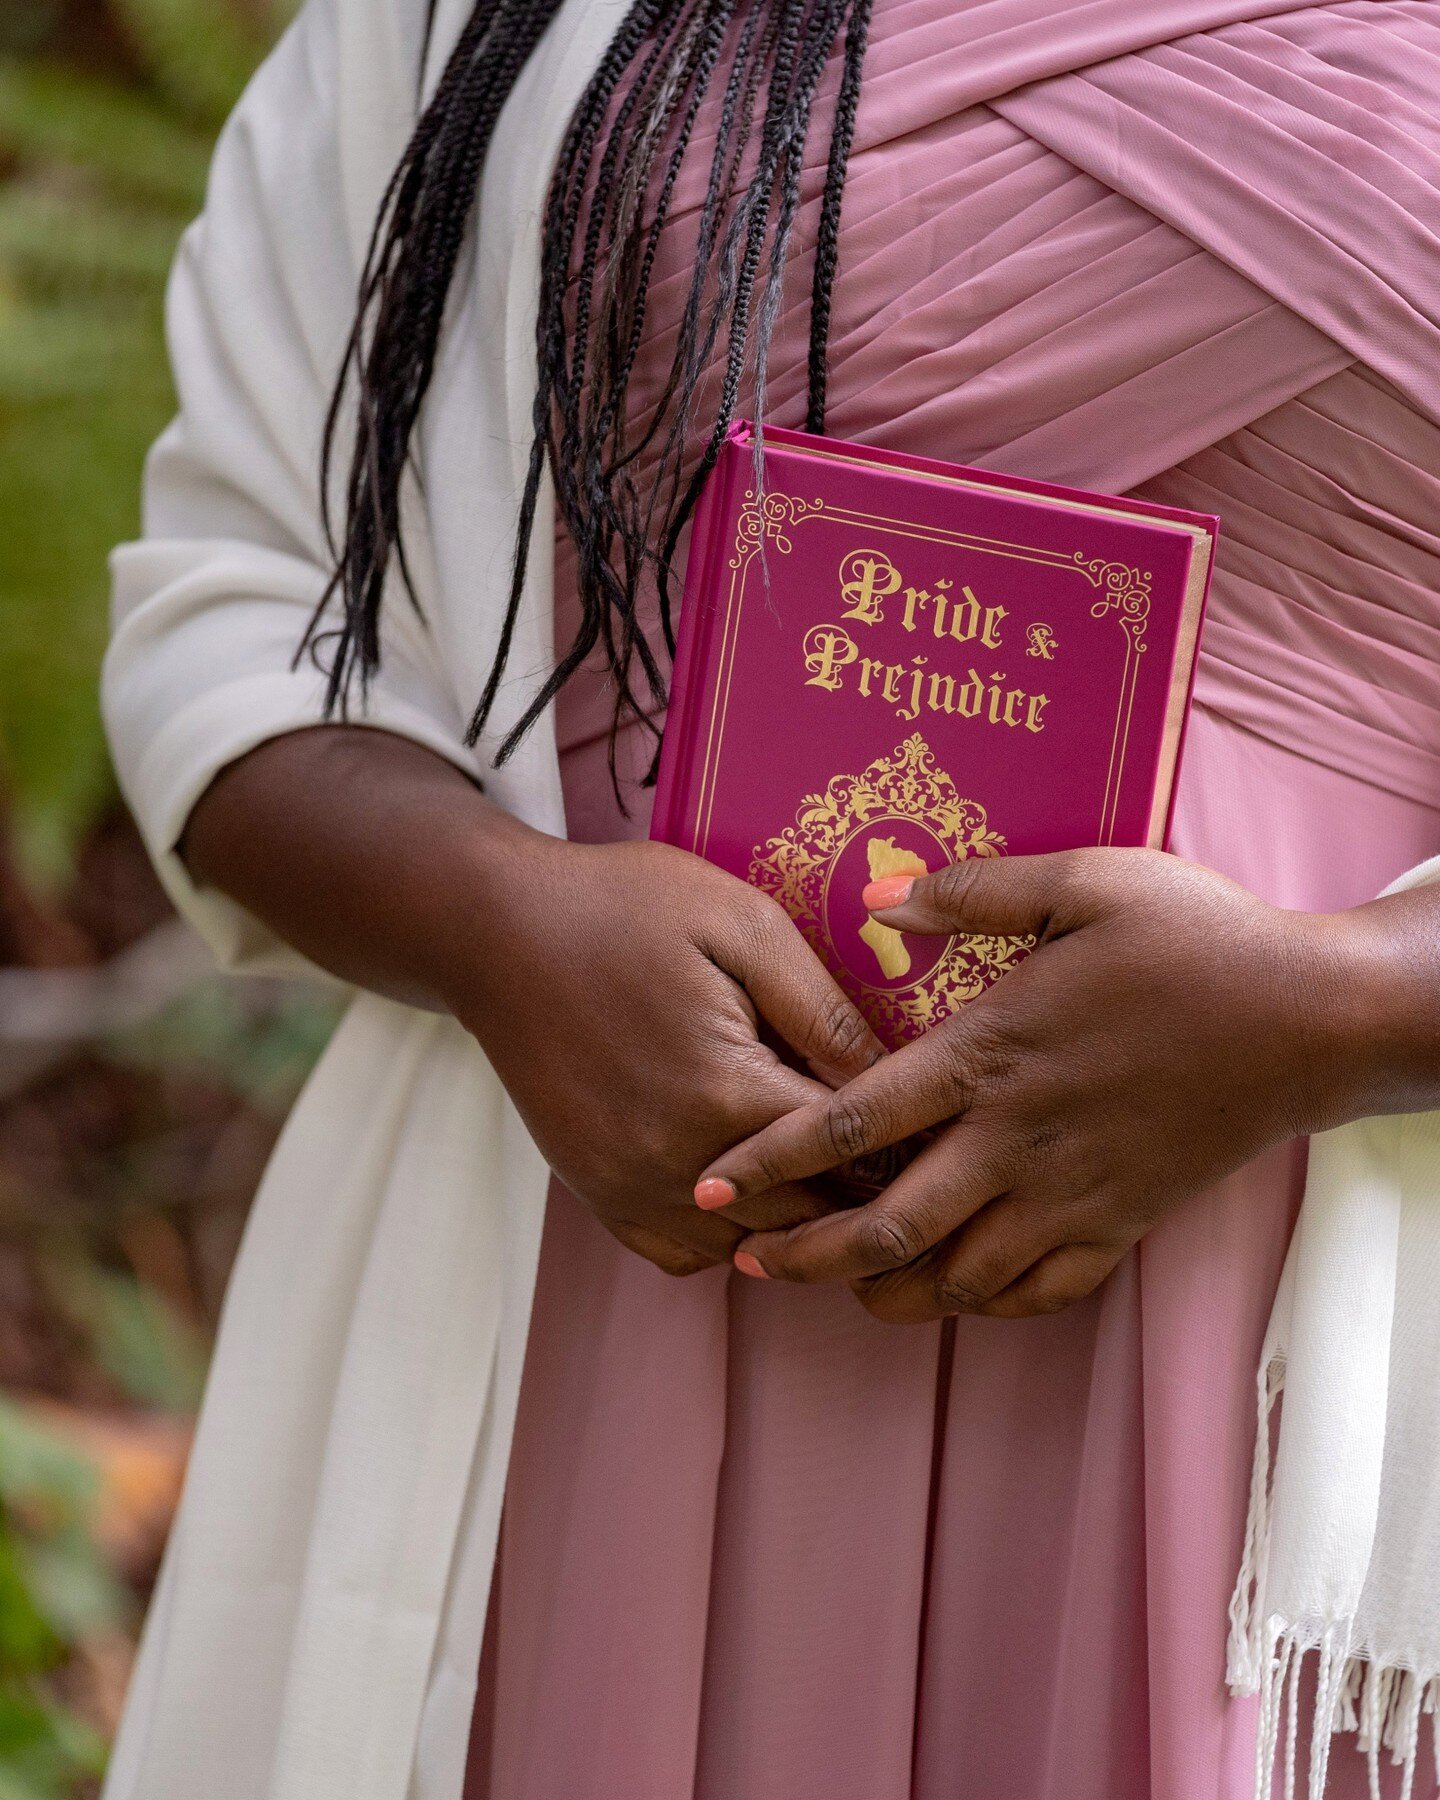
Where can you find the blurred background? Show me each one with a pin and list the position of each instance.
(139, 1094)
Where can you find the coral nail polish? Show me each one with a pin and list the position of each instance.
(750, 1265)
(713, 1192)
(891, 890)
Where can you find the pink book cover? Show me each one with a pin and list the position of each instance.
(886, 664)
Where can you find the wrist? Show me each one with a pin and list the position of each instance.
(490, 911)
(1377, 1008)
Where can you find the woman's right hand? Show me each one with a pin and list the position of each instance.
(620, 992)
(617, 989)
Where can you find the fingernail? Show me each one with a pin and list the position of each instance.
(892, 890)
(713, 1192)
(750, 1265)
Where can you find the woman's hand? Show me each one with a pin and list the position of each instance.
(619, 997)
(615, 988)
(1168, 1027)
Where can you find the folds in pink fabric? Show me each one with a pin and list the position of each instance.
(757, 1546)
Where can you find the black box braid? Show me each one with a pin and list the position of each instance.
(610, 196)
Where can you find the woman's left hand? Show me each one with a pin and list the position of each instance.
(1168, 1027)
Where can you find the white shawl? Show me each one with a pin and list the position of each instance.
(316, 1631)
(1342, 1550)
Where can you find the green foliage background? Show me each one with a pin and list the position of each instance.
(55, 1587)
(108, 109)
(107, 113)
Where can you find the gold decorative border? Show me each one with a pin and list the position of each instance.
(770, 518)
(796, 867)
(1126, 593)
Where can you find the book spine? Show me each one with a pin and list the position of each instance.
(673, 787)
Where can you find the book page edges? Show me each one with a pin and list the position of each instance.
(1182, 686)
(1139, 512)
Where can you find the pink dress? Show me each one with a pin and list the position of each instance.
(758, 1546)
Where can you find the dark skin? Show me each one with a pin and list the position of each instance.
(616, 989)
(1168, 1027)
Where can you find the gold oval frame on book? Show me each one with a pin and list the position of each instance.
(798, 866)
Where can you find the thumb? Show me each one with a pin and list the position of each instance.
(984, 896)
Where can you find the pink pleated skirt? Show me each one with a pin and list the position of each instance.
(758, 1546)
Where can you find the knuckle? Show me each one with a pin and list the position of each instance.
(840, 1032)
(1083, 867)
(1068, 1286)
(889, 1240)
(1088, 870)
(749, 932)
(726, 1109)
(848, 1127)
(1040, 1298)
(953, 887)
(650, 1145)
(962, 1057)
(1090, 878)
(958, 1293)
(1045, 1138)
(990, 1059)
(885, 1300)
(681, 1262)
(765, 918)
(881, 1304)
(669, 1255)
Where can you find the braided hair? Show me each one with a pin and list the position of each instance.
(609, 199)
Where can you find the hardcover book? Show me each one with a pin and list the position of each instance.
(887, 664)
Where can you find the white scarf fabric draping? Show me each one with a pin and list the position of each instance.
(316, 1630)
(1342, 1550)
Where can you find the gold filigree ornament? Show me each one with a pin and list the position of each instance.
(1123, 591)
(903, 788)
(769, 520)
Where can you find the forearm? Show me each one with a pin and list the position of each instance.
(369, 854)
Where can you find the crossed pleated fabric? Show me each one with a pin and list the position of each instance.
(754, 1544)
